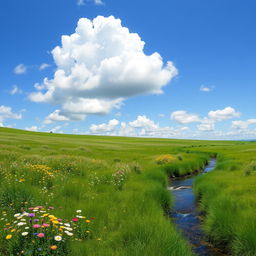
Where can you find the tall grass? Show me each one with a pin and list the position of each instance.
(227, 197)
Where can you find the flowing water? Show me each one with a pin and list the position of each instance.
(187, 216)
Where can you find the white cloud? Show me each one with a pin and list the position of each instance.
(15, 90)
(56, 129)
(206, 88)
(101, 65)
(6, 113)
(206, 125)
(98, 2)
(143, 122)
(39, 87)
(126, 130)
(32, 128)
(61, 116)
(20, 69)
(161, 115)
(105, 127)
(243, 124)
(184, 117)
(142, 126)
(80, 2)
(118, 114)
(223, 114)
(44, 66)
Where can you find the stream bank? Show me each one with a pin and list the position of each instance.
(188, 217)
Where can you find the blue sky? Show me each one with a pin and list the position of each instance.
(208, 89)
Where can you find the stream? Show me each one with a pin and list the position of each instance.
(188, 217)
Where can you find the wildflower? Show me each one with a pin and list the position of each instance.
(46, 225)
(79, 211)
(24, 233)
(58, 238)
(21, 224)
(53, 247)
(8, 237)
(41, 235)
(16, 215)
(75, 219)
(31, 215)
(13, 230)
(68, 233)
(36, 226)
(87, 221)
(55, 222)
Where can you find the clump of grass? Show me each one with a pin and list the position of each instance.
(251, 167)
(135, 167)
(164, 159)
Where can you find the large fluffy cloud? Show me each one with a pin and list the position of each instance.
(101, 65)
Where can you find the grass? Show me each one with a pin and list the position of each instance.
(119, 184)
(228, 199)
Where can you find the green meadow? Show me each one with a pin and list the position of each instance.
(98, 195)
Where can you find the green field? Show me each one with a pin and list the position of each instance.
(107, 195)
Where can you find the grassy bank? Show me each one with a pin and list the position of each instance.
(227, 195)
